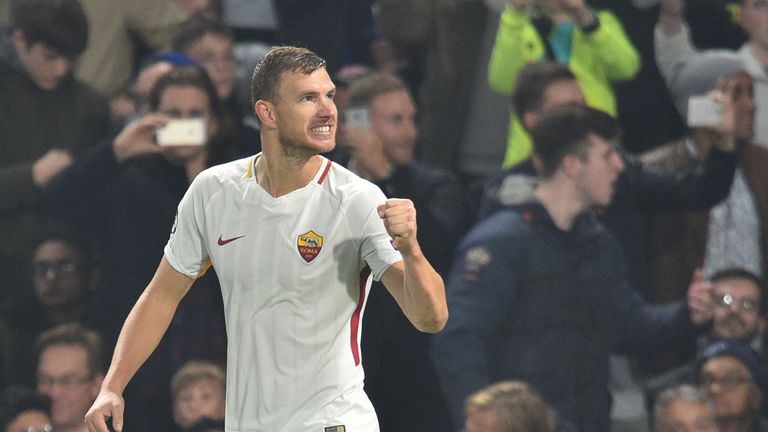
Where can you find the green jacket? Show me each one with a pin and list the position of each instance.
(597, 59)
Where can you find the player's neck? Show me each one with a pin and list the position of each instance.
(281, 175)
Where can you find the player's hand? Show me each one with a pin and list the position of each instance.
(700, 302)
(399, 216)
(108, 404)
(138, 137)
(48, 165)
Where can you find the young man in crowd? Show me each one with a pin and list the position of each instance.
(48, 118)
(550, 313)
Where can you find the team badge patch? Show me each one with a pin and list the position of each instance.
(309, 245)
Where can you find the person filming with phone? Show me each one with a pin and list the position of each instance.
(124, 192)
(731, 234)
(380, 134)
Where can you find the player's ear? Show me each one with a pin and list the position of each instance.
(265, 111)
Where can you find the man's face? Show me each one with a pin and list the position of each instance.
(684, 416)
(64, 376)
(736, 312)
(393, 119)
(729, 385)
(482, 420)
(59, 278)
(739, 88)
(305, 114)
(556, 94)
(217, 56)
(44, 65)
(202, 398)
(598, 171)
(186, 102)
(754, 20)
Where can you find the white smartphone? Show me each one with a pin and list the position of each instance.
(357, 117)
(182, 132)
(703, 112)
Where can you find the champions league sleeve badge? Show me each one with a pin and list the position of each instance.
(309, 244)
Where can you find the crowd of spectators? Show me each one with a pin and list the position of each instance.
(573, 278)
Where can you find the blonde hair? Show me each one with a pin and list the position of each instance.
(517, 406)
(193, 371)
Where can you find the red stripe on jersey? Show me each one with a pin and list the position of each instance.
(355, 320)
(325, 172)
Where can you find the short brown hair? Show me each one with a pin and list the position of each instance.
(363, 90)
(59, 24)
(565, 130)
(279, 59)
(77, 335)
(517, 406)
(195, 370)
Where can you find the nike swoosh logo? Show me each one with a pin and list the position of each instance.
(222, 242)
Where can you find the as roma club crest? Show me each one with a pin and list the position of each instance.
(309, 245)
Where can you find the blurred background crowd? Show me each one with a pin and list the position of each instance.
(449, 91)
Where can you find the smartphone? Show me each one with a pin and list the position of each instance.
(182, 132)
(357, 117)
(703, 112)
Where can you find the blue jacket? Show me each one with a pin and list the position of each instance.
(534, 303)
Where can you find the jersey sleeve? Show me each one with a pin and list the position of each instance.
(186, 250)
(376, 245)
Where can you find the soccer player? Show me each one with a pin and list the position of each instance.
(295, 240)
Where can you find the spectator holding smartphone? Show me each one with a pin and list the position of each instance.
(124, 193)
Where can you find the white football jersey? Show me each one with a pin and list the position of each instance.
(295, 272)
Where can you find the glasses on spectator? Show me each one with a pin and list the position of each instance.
(65, 381)
(728, 301)
(46, 428)
(728, 382)
(41, 268)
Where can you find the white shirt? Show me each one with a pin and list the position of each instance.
(294, 271)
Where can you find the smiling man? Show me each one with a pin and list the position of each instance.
(295, 240)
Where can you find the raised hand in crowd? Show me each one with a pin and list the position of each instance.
(367, 153)
(138, 137)
(700, 302)
(671, 16)
(48, 165)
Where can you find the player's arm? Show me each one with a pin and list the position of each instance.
(415, 285)
(141, 333)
